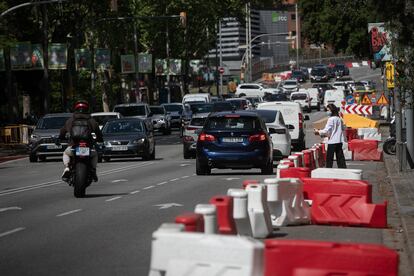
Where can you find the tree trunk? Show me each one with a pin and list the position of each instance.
(45, 80)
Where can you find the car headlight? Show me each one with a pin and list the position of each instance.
(107, 144)
(162, 120)
(139, 141)
(34, 136)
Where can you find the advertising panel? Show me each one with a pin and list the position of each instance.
(379, 42)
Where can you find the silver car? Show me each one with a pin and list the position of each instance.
(190, 134)
(161, 121)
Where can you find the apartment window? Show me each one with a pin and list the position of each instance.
(293, 16)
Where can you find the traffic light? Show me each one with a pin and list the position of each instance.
(183, 19)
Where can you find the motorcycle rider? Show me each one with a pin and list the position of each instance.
(81, 112)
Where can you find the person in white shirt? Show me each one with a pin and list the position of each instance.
(334, 130)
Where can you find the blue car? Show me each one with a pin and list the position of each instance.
(234, 140)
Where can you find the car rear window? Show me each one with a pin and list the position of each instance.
(290, 83)
(232, 123)
(268, 116)
(52, 122)
(123, 127)
(173, 107)
(298, 97)
(197, 121)
(130, 110)
(249, 87)
(157, 110)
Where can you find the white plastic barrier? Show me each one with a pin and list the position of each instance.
(367, 130)
(302, 158)
(240, 214)
(294, 159)
(369, 136)
(354, 174)
(285, 201)
(355, 64)
(364, 63)
(175, 253)
(280, 167)
(258, 211)
(209, 215)
(345, 150)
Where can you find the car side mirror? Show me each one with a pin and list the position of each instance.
(306, 118)
(291, 126)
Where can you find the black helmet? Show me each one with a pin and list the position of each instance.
(81, 107)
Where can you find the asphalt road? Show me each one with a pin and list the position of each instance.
(44, 230)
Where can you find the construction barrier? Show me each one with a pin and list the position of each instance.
(248, 182)
(344, 202)
(295, 172)
(365, 150)
(301, 159)
(369, 134)
(258, 211)
(321, 158)
(288, 162)
(351, 133)
(294, 159)
(285, 202)
(281, 167)
(240, 214)
(177, 253)
(355, 174)
(192, 222)
(208, 211)
(309, 160)
(225, 221)
(318, 258)
(348, 154)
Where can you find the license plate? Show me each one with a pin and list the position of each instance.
(232, 140)
(82, 151)
(119, 148)
(52, 147)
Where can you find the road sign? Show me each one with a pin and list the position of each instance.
(358, 109)
(366, 100)
(382, 100)
(350, 99)
(389, 73)
(221, 70)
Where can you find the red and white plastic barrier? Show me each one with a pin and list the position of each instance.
(258, 211)
(240, 214)
(354, 174)
(365, 150)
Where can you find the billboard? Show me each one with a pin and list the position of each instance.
(379, 42)
(144, 63)
(175, 67)
(127, 64)
(20, 56)
(161, 67)
(82, 59)
(102, 59)
(37, 57)
(58, 55)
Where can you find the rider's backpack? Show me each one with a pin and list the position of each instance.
(81, 130)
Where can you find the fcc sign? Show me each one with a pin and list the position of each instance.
(276, 17)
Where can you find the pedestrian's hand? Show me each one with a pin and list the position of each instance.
(316, 131)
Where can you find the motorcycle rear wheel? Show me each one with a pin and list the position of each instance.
(389, 147)
(81, 178)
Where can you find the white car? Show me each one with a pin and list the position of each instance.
(102, 117)
(278, 131)
(340, 85)
(334, 97)
(303, 98)
(250, 90)
(314, 96)
(294, 120)
(291, 85)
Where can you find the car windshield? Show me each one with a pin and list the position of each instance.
(102, 119)
(319, 72)
(123, 127)
(51, 122)
(268, 116)
(197, 121)
(232, 122)
(157, 110)
(137, 110)
(298, 97)
(201, 107)
(290, 83)
(339, 67)
(173, 107)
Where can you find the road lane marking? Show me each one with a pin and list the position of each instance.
(119, 180)
(60, 182)
(185, 176)
(194, 174)
(174, 179)
(185, 165)
(134, 192)
(231, 178)
(114, 198)
(149, 187)
(162, 183)
(11, 232)
(10, 209)
(168, 205)
(69, 212)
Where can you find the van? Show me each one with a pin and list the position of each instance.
(315, 98)
(294, 120)
(197, 97)
(303, 99)
(334, 97)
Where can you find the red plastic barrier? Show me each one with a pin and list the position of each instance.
(365, 150)
(295, 172)
(321, 160)
(348, 64)
(351, 133)
(299, 159)
(320, 258)
(225, 220)
(288, 162)
(343, 202)
(309, 160)
(323, 149)
(192, 222)
(248, 182)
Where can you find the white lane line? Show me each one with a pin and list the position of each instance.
(59, 182)
(194, 174)
(69, 212)
(185, 176)
(174, 179)
(10, 209)
(162, 183)
(134, 192)
(149, 187)
(11, 232)
(119, 180)
(114, 198)
(185, 165)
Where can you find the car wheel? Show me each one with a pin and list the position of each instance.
(99, 159)
(268, 168)
(318, 107)
(33, 157)
(202, 170)
(186, 153)
(107, 159)
(42, 158)
(152, 157)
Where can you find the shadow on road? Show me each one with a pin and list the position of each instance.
(103, 195)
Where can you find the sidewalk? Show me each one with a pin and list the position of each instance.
(12, 152)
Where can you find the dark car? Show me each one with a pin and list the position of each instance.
(319, 74)
(305, 72)
(222, 106)
(299, 75)
(276, 97)
(128, 137)
(160, 119)
(234, 140)
(175, 110)
(43, 139)
(341, 70)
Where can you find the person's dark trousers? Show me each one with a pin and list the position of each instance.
(340, 158)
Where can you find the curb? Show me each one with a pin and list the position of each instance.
(4, 159)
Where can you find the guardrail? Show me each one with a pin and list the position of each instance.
(15, 134)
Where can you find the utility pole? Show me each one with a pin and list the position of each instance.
(137, 91)
(246, 75)
(297, 35)
(217, 60)
(250, 43)
(45, 80)
(167, 46)
(220, 92)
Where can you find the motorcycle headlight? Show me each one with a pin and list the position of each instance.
(139, 141)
